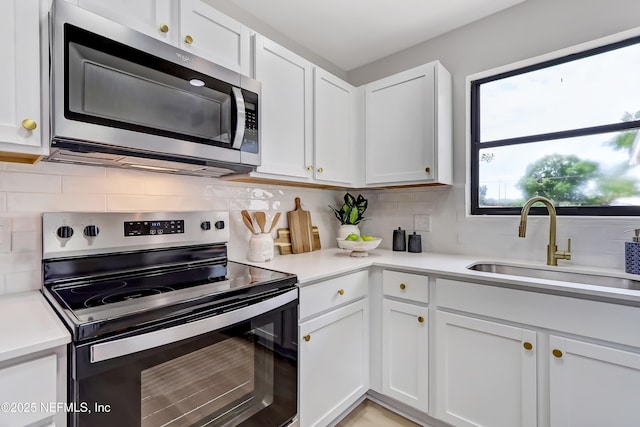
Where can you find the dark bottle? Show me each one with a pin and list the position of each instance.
(399, 240)
(415, 242)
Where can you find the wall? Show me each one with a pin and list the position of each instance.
(27, 191)
(532, 28)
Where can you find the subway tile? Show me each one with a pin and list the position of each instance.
(26, 241)
(395, 196)
(134, 203)
(18, 182)
(39, 202)
(417, 207)
(216, 204)
(248, 204)
(3, 202)
(125, 182)
(216, 191)
(84, 184)
(169, 185)
(2, 285)
(54, 168)
(23, 281)
(26, 222)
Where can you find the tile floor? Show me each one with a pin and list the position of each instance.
(369, 414)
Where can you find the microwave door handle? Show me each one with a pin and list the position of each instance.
(240, 115)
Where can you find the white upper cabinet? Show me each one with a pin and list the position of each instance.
(191, 25)
(334, 129)
(408, 127)
(21, 125)
(214, 36)
(151, 17)
(286, 110)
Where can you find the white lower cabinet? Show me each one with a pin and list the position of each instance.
(592, 385)
(28, 388)
(405, 348)
(486, 372)
(334, 367)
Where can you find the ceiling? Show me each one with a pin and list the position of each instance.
(352, 33)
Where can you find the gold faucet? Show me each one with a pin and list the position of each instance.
(553, 254)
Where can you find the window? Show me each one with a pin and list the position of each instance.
(566, 129)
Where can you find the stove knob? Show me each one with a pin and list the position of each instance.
(219, 225)
(205, 225)
(64, 232)
(91, 231)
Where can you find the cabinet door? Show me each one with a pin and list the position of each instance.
(213, 35)
(151, 17)
(400, 127)
(334, 138)
(334, 363)
(32, 385)
(593, 385)
(286, 110)
(486, 373)
(20, 76)
(405, 347)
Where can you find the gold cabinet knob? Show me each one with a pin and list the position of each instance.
(341, 291)
(164, 28)
(320, 170)
(29, 124)
(420, 319)
(188, 39)
(427, 169)
(557, 353)
(527, 345)
(306, 338)
(403, 286)
(309, 168)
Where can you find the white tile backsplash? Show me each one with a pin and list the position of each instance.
(27, 191)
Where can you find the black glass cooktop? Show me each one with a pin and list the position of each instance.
(94, 293)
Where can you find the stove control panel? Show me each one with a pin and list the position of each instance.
(84, 233)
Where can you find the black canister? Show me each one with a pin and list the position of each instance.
(399, 240)
(415, 242)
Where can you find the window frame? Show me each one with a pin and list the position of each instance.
(474, 84)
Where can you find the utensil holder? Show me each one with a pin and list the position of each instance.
(260, 248)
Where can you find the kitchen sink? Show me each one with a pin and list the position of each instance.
(564, 276)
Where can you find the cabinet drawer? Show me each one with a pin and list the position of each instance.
(332, 293)
(413, 287)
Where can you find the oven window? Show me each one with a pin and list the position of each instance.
(241, 375)
(213, 382)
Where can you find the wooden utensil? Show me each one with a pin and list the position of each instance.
(274, 221)
(261, 219)
(246, 218)
(284, 240)
(300, 229)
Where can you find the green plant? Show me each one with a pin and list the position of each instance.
(352, 210)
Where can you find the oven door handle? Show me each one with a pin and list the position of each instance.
(122, 347)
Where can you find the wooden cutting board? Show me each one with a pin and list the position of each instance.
(284, 240)
(300, 229)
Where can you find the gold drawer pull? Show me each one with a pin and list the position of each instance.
(427, 169)
(188, 39)
(320, 170)
(164, 28)
(403, 286)
(309, 168)
(557, 353)
(341, 291)
(29, 124)
(527, 345)
(306, 338)
(420, 319)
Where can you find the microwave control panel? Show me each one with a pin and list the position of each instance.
(250, 140)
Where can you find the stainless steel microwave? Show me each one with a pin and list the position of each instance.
(122, 98)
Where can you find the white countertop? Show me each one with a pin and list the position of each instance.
(28, 325)
(318, 265)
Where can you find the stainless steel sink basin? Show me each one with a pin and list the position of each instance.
(564, 276)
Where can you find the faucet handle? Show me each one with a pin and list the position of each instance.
(569, 246)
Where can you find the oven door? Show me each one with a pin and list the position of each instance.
(238, 368)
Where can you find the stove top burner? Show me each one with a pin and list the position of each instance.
(124, 295)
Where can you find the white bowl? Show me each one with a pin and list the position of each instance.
(360, 247)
